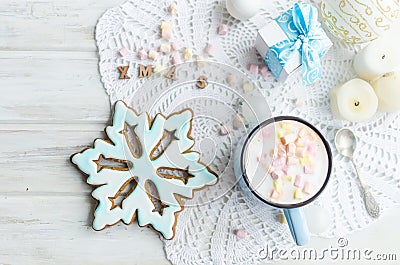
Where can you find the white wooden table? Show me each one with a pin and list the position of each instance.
(52, 104)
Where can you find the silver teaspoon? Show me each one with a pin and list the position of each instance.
(346, 143)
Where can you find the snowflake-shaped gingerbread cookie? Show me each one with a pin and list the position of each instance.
(149, 164)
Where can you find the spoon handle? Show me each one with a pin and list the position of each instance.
(370, 203)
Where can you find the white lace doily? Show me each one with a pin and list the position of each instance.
(204, 233)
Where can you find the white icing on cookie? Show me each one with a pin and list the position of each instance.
(110, 180)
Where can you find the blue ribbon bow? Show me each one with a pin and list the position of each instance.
(306, 40)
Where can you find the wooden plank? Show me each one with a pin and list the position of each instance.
(61, 87)
(57, 230)
(35, 158)
(66, 25)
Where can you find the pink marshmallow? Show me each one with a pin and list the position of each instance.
(287, 170)
(264, 71)
(223, 130)
(302, 133)
(240, 233)
(276, 174)
(175, 46)
(301, 151)
(273, 152)
(275, 194)
(123, 52)
(300, 142)
(223, 29)
(167, 34)
(311, 149)
(210, 50)
(231, 79)
(299, 102)
(292, 161)
(308, 169)
(253, 68)
(298, 182)
(142, 54)
(281, 150)
(290, 138)
(176, 59)
(266, 133)
(291, 149)
(307, 187)
(278, 162)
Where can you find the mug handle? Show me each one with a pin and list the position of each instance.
(297, 225)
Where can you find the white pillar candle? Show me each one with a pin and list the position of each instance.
(380, 57)
(387, 88)
(354, 101)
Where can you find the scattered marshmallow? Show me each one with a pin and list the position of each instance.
(311, 149)
(298, 181)
(298, 195)
(264, 71)
(237, 122)
(292, 161)
(142, 54)
(240, 233)
(291, 149)
(275, 195)
(166, 34)
(282, 133)
(300, 142)
(307, 187)
(299, 102)
(301, 152)
(176, 59)
(285, 125)
(175, 46)
(159, 68)
(173, 9)
(302, 133)
(123, 52)
(287, 170)
(253, 68)
(278, 162)
(231, 79)
(278, 185)
(210, 50)
(290, 138)
(309, 169)
(188, 54)
(288, 178)
(223, 130)
(276, 174)
(247, 86)
(223, 29)
(165, 26)
(281, 150)
(153, 55)
(306, 161)
(281, 218)
(200, 61)
(165, 48)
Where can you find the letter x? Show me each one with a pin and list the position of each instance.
(123, 71)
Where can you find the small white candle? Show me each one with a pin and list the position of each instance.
(354, 101)
(380, 57)
(387, 88)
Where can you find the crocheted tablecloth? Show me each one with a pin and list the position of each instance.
(204, 232)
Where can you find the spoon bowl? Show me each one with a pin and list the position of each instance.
(346, 142)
